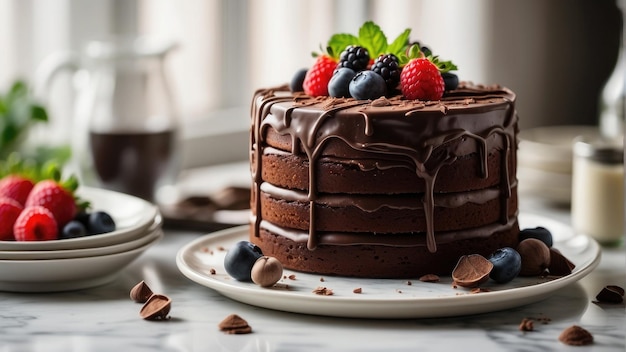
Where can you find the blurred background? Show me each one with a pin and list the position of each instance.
(556, 55)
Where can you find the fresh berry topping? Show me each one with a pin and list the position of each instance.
(296, 81)
(316, 80)
(425, 51)
(354, 57)
(388, 67)
(73, 229)
(240, 259)
(56, 197)
(450, 80)
(35, 223)
(421, 79)
(540, 233)
(16, 187)
(10, 209)
(100, 222)
(507, 264)
(338, 86)
(367, 85)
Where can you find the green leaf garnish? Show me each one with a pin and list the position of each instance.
(399, 45)
(338, 43)
(372, 38)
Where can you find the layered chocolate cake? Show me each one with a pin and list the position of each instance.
(386, 187)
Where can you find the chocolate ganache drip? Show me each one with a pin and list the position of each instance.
(424, 136)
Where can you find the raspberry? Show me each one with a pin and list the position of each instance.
(420, 79)
(354, 57)
(53, 196)
(10, 209)
(16, 187)
(35, 223)
(316, 80)
(389, 68)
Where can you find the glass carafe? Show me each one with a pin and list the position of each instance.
(126, 127)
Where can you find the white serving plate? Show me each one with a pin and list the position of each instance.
(132, 216)
(146, 237)
(382, 298)
(66, 274)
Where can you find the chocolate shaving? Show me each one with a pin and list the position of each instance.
(576, 336)
(526, 325)
(429, 278)
(611, 294)
(234, 324)
(323, 291)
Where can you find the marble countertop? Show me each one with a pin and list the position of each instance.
(105, 319)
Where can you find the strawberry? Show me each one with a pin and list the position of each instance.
(35, 223)
(57, 197)
(421, 79)
(16, 187)
(316, 80)
(10, 209)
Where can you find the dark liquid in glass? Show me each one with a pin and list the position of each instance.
(133, 163)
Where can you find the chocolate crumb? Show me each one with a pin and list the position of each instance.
(576, 336)
(234, 324)
(429, 278)
(220, 248)
(357, 290)
(292, 277)
(479, 290)
(527, 325)
(212, 271)
(409, 283)
(323, 291)
(321, 279)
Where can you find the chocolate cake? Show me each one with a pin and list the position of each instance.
(383, 188)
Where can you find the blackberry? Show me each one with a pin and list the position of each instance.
(354, 57)
(388, 67)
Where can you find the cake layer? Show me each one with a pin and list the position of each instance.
(378, 176)
(401, 256)
(384, 214)
(438, 176)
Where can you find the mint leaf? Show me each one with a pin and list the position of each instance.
(338, 42)
(372, 38)
(398, 47)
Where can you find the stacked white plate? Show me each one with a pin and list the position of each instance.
(545, 160)
(77, 263)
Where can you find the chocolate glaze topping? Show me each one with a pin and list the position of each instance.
(421, 135)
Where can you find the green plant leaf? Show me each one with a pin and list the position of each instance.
(38, 113)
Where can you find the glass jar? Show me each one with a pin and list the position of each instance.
(598, 190)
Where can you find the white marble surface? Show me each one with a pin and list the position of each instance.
(105, 319)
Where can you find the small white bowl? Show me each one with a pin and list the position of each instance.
(146, 237)
(67, 274)
(132, 216)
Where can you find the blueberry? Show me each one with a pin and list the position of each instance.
(100, 222)
(367, 85)
(240, 258)
(73, 229)
(339, 84)
(507, 264)
(540, 233)
(296, 81)
(451, 80)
